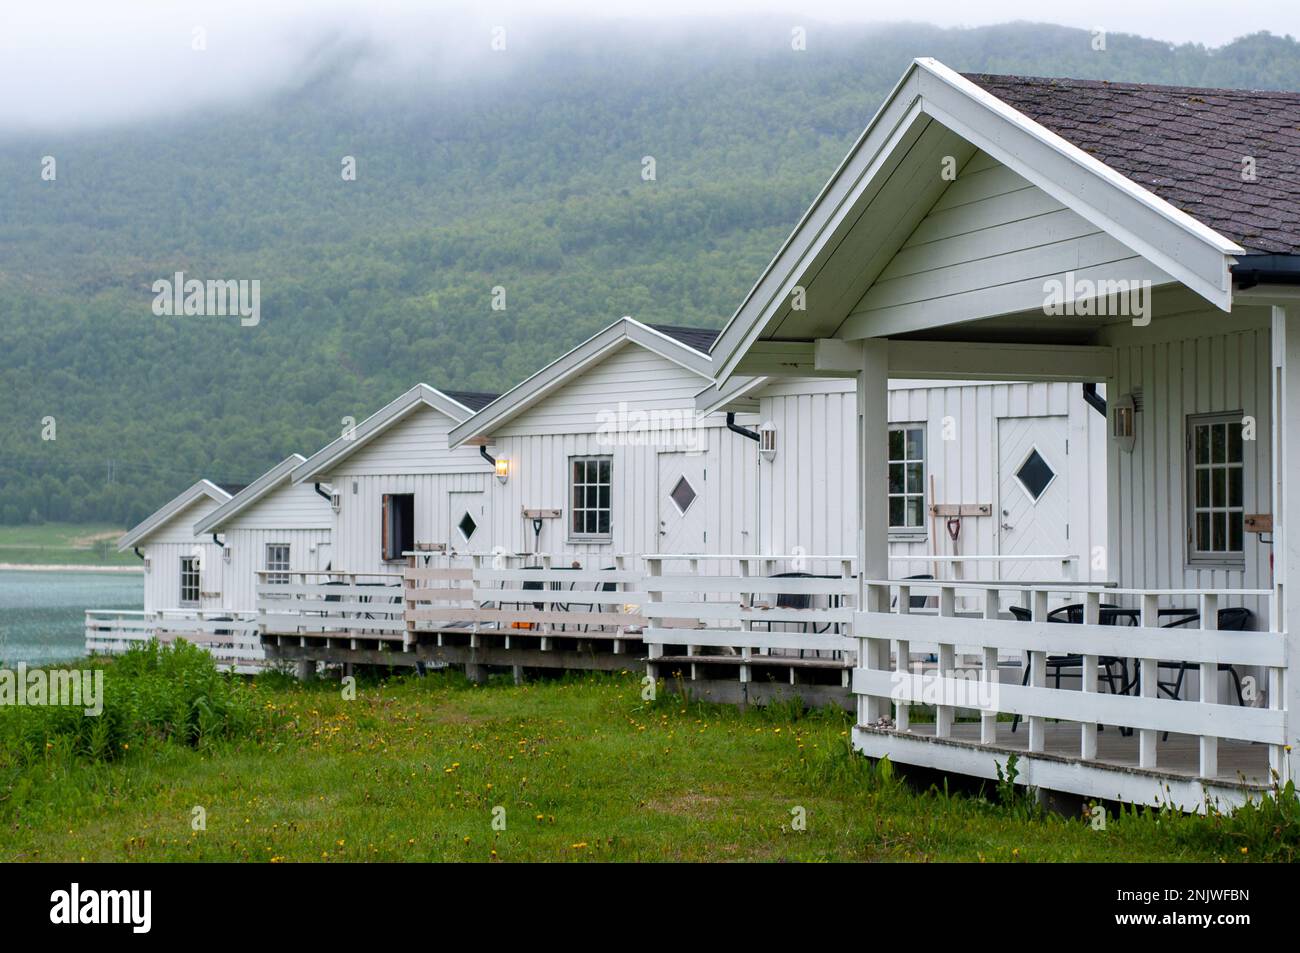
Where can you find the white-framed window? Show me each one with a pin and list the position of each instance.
(190, 574)
(1216, 470)
(591, 512)
(277, 564)
(907, 478)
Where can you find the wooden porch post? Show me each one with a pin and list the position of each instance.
(873, 506)
(1284, 692)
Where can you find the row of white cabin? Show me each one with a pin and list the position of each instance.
(622, 446)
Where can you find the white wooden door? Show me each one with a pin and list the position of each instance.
(681, 505)
(467, 522)
(1034, 495)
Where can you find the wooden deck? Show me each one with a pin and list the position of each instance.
(1114, 774)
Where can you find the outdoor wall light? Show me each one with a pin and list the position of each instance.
(503, 469)
(767, 440)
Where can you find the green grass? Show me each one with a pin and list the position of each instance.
(412, 770)
(72, 544)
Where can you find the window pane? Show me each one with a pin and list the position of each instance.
(914, 478)
(604, 497)
(1234, 444)
(1202, 487)
(1218, 443)
(605, 466)
(578, 471)
(895, 478)
(915, 443)
(1202, 444)
(895, 444)
(914, 511)
(896, 511)
(1203, 532)
(1220, 523)
(1234, 486)
(1234, 532)
(602, 523)
(1220, 487)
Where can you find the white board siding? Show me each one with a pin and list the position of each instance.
(164, 548)
(633, 375)
(1213, 373)
(357, 544)
(308, 549)
(288, 506)
(415, 444)
(539, 479)
(807, 492)
(987, 246)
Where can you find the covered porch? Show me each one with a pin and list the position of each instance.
(963, 239)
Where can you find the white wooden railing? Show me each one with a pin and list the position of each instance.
(592, 597)
(231, 637)
(742, 611)
(888, 631)
(345, 604)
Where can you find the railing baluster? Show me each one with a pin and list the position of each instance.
(989, 718)
(1148, 675)
(902, 664)
(1088, 730)
(1209, 687)
(1037, 671)
(943, 716)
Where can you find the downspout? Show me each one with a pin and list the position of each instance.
(482, 450)
(136, 550)
(320, 492)
(736, 428)
(217, 541)
(1093, 399)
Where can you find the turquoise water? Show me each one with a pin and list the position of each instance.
(42, 614)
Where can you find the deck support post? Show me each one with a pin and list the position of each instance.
(305, 670)
(873, 507)
(1286, 532)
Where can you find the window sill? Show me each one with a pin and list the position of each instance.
(908, 536)
(1215, 565)
(590, 540)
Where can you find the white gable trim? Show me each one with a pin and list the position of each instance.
(480, 427)
(165, 513)
(421, 395)
(1173, 241)
(736, 395)
(268, 481)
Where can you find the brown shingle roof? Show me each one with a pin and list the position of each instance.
(1184, 144)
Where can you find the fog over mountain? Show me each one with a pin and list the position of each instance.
(475, 168)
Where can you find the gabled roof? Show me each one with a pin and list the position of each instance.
(473, 399)
(591, 351)
(421, 395)
(203, 489)
(699, 338)
(1187, 145)
(275, 477)
(884, 186)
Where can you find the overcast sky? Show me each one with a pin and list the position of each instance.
(68, 62)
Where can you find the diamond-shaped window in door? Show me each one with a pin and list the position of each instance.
(1035, 475)
(467, 526)
(683, 495)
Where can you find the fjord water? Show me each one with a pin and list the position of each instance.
(42, 614)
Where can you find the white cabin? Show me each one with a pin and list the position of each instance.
(272, 526)
(602, 452)
(995, 228)
(182, 567)
(957, 452)
(397, 485)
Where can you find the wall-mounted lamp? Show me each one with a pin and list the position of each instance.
(1124, 422)
(767, 440)
(503, 469)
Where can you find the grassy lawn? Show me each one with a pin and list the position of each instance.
(412, 770)
(72, 544)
